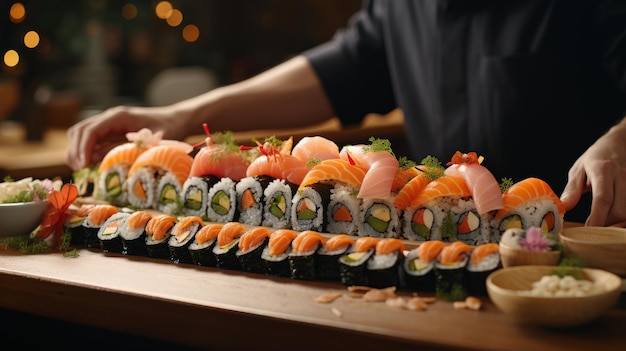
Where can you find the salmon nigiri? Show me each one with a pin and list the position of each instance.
(335, 170)
(410, 191)
(442, 186)
(220, 157)
(315, 148)
(302, 256)
(381, 165)
(284, 167)
(327, 261)
(525, 190)
(383, 267)
(307, 241)
(165, 157)
(481, 182)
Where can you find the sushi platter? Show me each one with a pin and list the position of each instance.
(353, 247)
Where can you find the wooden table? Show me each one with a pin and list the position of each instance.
(221, 309)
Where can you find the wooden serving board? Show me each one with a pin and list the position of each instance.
(221, 309)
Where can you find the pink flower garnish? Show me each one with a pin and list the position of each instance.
(145, 138)
(534, 240)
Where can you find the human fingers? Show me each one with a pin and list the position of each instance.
(601, 177)
(617, 212)
(574, 188)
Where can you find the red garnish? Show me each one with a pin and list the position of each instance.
(56, 213)
(207, 141)
(350, 159)
(468, 158)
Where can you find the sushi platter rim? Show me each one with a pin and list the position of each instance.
(533, 310)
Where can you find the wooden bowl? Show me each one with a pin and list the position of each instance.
(600, 247)
(504, 288)
(511, 256)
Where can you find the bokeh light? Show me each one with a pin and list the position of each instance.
(191, 33)
(11, 58)
(17, 13)
(175, 18)
(163, 9)
(129, 11)
(31, 39)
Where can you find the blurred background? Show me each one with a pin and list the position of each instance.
(66, 60)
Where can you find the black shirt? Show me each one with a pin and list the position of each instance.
(527, 84)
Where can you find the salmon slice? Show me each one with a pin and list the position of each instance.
(307, 241)
(410, 191)
(230, 231)
(334, 170)
(280, 240)
(221, 161)
(125, 154)
(403, 176)
(284, 167)
(159, 226)
(252, 238)
(315, 148)
(339, 241)
(166, 157)
(182, 230)
(442, 186)
(482, 184)
(389, 245)
(430, 250)
(526, 190)
(381, 166)
(482, 251)
(365, 243)
(208, 232)
(101, 213)
(138, 219)
(454, 252)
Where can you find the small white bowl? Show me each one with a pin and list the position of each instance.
(504, 287)
(21, 218)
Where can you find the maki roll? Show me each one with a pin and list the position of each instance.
(157, 176)
(74, 223)
(276, 253)
(194, 194)
(308, 209)
(168, 194)
(251, 245)
(277, 207)
(182, 236)
(445, 210)
(158, 232)
(384, 269)
(378, 218)
(530, 203)
(419, 266)
(484, 260)
(113, 172)
(353, 264)
(94, 221)
(133, 233)
(222, 201)
(201, 249)
(109, 233)
(250, 198)
(342, 212)
(327, 264)
(227, 246)
(302, 256)
(450, 272)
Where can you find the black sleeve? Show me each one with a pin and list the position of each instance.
(353, 67)
(611, 32)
